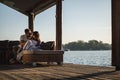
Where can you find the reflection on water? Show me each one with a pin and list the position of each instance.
(97, 58)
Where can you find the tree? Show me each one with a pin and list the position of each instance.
(90, 45)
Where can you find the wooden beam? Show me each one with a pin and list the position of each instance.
(58, 24)
(40, 3)
(31, 21)
(43, 8)
(116, 33)
(40, 6)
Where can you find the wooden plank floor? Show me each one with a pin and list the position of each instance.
(54, 72)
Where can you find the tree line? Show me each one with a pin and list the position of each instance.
(90, 45)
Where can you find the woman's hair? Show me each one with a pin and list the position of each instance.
(36, 34)
(36, 37)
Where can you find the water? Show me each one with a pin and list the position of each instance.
(96, 58)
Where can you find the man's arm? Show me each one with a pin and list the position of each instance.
(22, 43)
(22, 40)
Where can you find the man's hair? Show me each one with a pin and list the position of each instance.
(27, 30)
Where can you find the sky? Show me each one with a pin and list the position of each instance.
(81, 20)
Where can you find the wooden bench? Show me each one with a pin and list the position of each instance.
(43, 56)
(6, 50)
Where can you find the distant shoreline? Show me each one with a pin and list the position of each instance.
(89, 50)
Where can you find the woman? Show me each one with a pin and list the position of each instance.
(32, 44)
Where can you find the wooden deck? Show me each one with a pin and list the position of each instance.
(55, 72)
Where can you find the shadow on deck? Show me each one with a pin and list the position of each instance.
(55, 72)
(20, 66)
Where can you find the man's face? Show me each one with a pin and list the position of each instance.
(29, 33)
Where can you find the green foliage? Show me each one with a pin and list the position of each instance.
(90, 45)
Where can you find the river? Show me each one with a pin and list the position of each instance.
(96, 58)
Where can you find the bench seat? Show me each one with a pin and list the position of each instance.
(43, 56)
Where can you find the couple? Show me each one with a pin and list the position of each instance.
(29, 41)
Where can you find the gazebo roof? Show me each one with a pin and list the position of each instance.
(29, 6)
(32, 7)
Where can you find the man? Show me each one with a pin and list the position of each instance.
(25, 37)
(33, 44)
(23, 40)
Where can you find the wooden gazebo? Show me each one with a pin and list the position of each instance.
(116, 33)
(32, 7)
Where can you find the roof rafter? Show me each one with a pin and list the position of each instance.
(28, 6)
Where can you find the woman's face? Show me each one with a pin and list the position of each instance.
(36, 36)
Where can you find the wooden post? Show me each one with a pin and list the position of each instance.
(58, 24)
(31, 21)
(116, 33)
